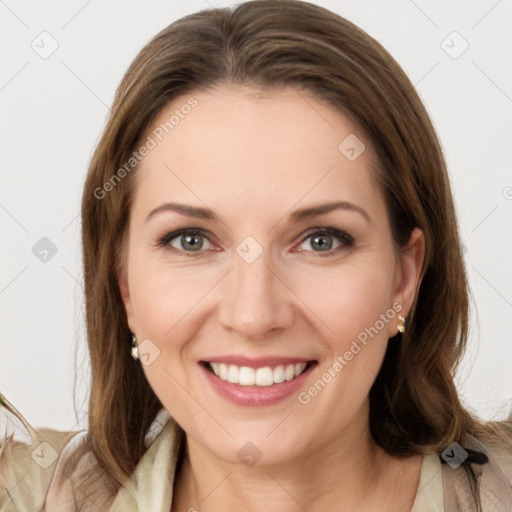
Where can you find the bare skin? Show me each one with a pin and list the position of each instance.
(254, 161)
(377, 482)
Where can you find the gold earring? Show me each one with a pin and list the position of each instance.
(401, 326)
(135, 349)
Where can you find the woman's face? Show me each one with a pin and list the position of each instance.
(235, 256)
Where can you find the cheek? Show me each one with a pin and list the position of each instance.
(162, 295)
(356, 307)
(350, 300)
(168, 310)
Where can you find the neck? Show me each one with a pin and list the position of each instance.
(349, 472)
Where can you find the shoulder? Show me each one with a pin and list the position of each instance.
(494, 439)
(54, 471)
(27, 468)
(501, 449)
(78, 480)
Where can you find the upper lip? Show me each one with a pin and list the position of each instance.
(256, 362)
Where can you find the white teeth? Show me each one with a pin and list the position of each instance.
(246, 376)
(289, 373)
(299, 368)
(233, 374)
(279, 374)
(265, 376)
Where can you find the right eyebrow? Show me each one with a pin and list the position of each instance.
(184, 209)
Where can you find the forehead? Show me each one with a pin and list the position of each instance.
(264, 145)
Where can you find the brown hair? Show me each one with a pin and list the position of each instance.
(272, 44)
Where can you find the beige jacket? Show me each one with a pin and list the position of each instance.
(41, 475)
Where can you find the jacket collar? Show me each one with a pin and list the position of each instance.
(151, 484)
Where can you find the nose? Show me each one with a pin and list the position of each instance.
(256, 302)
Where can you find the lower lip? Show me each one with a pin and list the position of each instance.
(256, 395)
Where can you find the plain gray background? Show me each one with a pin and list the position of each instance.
(54, 108)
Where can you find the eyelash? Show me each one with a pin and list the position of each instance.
(345, 238)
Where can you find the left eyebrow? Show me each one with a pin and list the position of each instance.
(313, 211)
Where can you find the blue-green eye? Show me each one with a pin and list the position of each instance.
(322, 239)
(184, 240)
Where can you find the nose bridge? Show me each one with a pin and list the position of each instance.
(255, 300)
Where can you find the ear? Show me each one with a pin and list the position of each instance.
(125, 294)
(409, 274)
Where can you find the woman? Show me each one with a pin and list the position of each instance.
(276, 297)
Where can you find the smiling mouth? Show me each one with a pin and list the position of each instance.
(264, 376)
